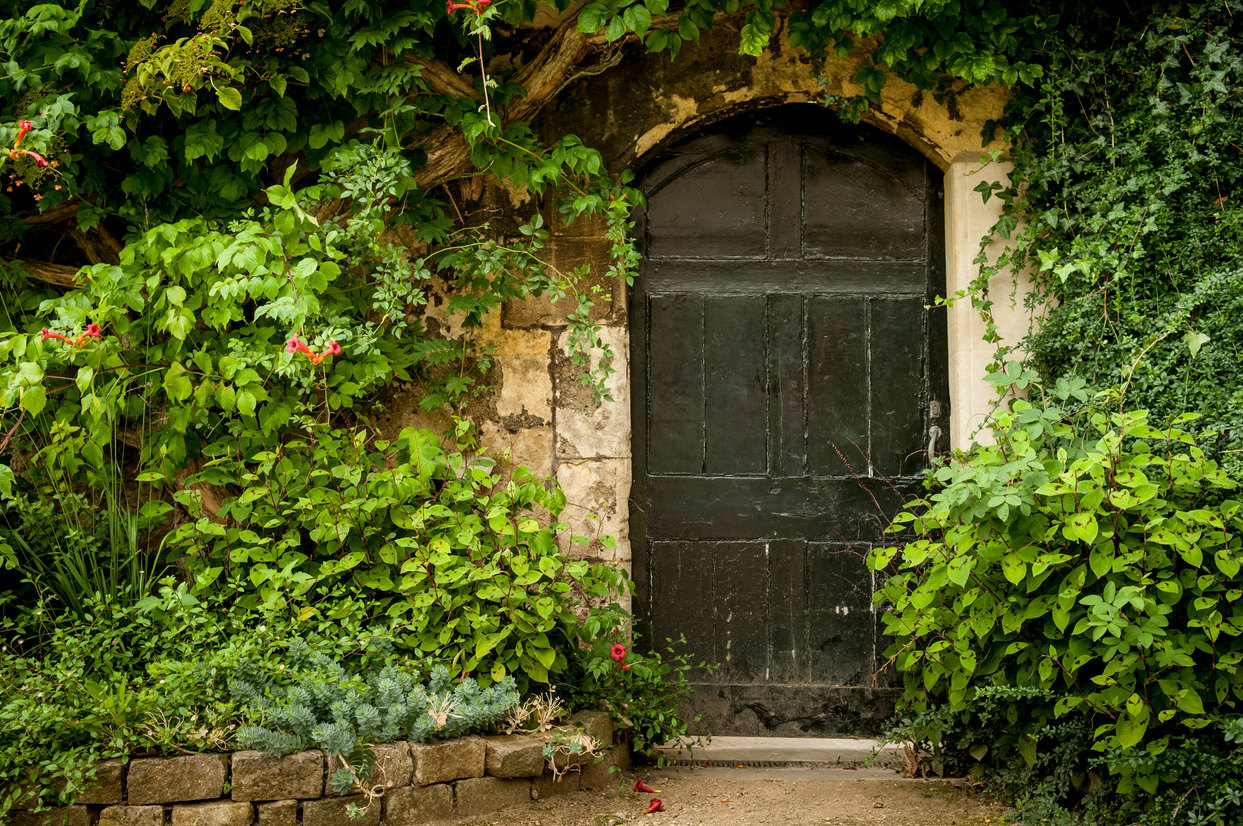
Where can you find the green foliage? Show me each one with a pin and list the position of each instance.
(1126, 167)
(113, 681)
(1088, 555)
(73, 550)
(463, 564)
(641, 692)
(317, 703)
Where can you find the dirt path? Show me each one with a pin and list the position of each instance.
(765, 797)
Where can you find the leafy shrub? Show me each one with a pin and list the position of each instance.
(463, 566)
(1086, 555)
(641, 692)
(114, 681)
(318, 703)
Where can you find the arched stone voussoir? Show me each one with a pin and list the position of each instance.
(647, 101)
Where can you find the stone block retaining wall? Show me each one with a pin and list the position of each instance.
(460, 778)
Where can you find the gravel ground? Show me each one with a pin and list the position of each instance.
(765, 797)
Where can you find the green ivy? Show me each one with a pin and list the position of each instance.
(1125, 171)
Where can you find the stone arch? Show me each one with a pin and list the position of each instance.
(648, 102)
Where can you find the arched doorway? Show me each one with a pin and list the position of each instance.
(787, 381)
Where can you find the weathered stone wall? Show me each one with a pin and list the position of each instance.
(428, 782)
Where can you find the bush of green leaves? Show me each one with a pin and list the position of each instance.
(642, 692)
(461, 563)
(1087, 554)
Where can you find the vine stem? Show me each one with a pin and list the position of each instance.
(483, 72)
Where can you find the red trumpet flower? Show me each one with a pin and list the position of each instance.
(294, 345)
(477, 6)
(23, 126)
(92, 331)
(655, 806)
(640, 786)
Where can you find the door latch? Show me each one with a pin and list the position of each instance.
(934, 433)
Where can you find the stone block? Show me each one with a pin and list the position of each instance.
(448, 760)
(331, 811)
(63, 816)
(483, 795)
(132, 816)
(544, 786)
(599, 774)
(277, 813)
(529, 447)
(586, 428)
(393, 766)
(176, 779)
(216, 813)
(599, 490)
(416, 805)
(259, 776)
(596, 723)
(107, 787)
(513, 755)
(525, 394)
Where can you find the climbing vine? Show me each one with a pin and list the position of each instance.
(1126, 161)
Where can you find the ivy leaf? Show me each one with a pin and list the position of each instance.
(753, 40)
(637, 18)
(1195, 341)
(617, 28)
(246, 402)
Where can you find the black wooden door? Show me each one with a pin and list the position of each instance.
(787, 380)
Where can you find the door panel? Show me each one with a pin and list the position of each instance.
(676, 376)
(786, 371)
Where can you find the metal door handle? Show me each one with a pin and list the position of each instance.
(934, 433)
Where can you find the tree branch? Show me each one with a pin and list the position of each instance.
(58, 275)
(55, 215)
(566, 57)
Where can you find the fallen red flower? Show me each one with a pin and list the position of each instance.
(640, 786)
(655, 806)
